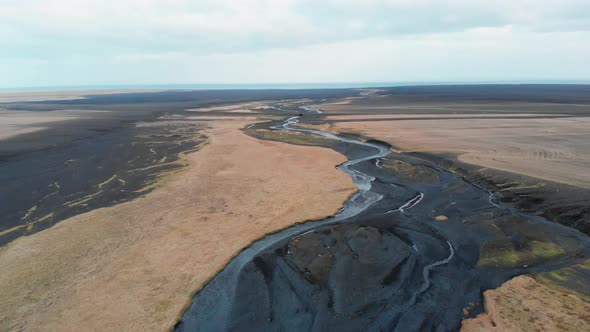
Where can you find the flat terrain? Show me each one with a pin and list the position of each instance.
(526, 143)
(134, 266)
(118, 208)
(14, 123)
(418, 259)
(501, 128)
(27, 96)
(553, 149)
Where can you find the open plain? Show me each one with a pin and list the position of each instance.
(422, 199)
(134, 266)
(529, 143)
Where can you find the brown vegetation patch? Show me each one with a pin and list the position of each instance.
(549, 149)
(136, 265)
(522, 304)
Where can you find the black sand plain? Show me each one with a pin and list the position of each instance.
(106, 158)
(413, 261)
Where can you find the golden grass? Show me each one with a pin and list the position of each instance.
(135, 266)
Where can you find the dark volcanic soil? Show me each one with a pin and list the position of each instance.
(413, 252)
(50, 184)
(104, 158)
(566, 204)
(412, 261)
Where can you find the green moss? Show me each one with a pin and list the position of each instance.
(499, 254)
(504, 258)
(558, 275)
(545, 250)
(572, 279)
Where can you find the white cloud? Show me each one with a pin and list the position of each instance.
(300, 40)
(147, 57)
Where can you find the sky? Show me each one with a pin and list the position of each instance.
(136, 42)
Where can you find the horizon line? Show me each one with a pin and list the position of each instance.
(284, 86)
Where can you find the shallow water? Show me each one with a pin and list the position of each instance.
(381, 263)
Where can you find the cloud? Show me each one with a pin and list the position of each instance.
(224, 25)
(147, 57)
(210, 34)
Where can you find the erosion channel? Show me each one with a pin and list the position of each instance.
(414, 248)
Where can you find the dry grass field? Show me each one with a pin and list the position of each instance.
(541, 140)
(134, 266)
(553, 149)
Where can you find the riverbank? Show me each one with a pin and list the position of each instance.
(417, 255)
(134, 266)
(531, 153)
(420, 255)
(565, 202)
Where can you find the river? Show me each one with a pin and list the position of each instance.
(383, 262)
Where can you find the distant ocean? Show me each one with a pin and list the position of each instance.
(349, 85)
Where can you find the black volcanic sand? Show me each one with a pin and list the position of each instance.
(385, 269)
(53, 183)
(544, 93)
(566, 204)
(103, 158)
(177, 100)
